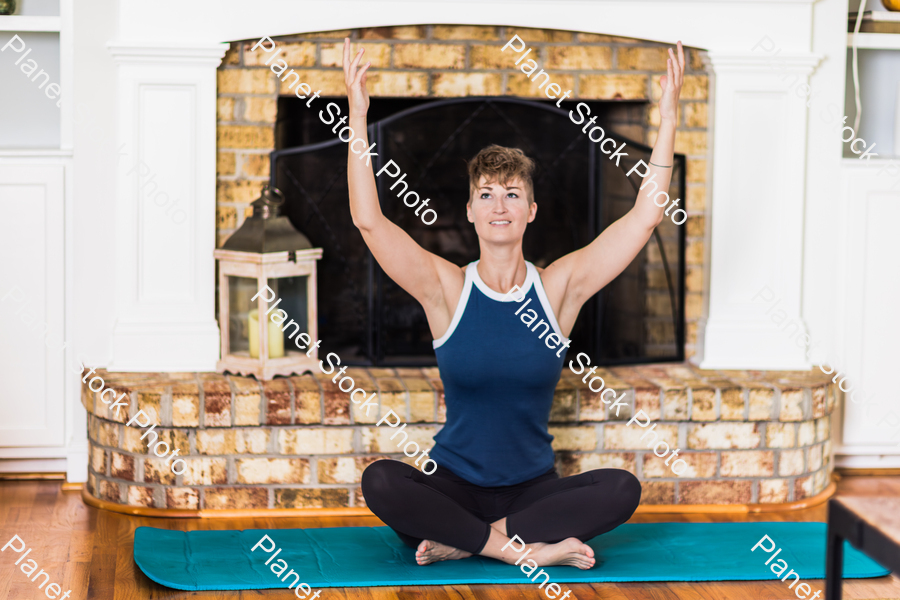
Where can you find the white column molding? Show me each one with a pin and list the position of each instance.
(755, 213)
(165, 207)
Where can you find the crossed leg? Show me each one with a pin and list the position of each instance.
(554, 517)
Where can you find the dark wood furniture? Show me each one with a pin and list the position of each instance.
(871, 524)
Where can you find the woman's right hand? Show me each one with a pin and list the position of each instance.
(355, 78)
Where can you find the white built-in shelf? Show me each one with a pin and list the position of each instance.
(875, 41)
(21, 23)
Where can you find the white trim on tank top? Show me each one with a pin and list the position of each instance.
(532, 278)
(545, 302)
(460, 308)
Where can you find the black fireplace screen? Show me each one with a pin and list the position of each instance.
(369, 320)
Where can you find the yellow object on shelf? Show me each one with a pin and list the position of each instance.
(276, 338)
(891, 4)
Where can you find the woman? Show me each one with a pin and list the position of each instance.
(495, 477)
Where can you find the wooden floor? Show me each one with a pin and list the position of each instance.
(90, 552)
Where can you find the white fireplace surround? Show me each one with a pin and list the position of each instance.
(140, 287)
(757, 213)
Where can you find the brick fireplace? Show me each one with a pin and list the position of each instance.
(748, 437)
(440, 61)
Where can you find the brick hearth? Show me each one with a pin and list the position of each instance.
(748, 437)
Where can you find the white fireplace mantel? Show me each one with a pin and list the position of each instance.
(167, 53)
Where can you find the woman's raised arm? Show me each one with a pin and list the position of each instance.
(582, 273)
(422, 274)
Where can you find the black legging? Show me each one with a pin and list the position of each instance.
(448, 509)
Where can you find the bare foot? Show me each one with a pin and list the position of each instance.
(569, 552)
(429, 552)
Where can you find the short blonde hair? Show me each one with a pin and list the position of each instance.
(502, 165)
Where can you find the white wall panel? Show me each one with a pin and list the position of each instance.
(32, 306)
(868, 285)
(163, 183)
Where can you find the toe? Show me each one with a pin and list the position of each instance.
(585, 564)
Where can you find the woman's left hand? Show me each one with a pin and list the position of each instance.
(671, 85)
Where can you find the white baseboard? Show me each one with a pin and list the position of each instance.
(867, 461)
(77, 466)
(74, 463)
(32, 465)
(33, 452)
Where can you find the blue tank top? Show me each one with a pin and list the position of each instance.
(499, 378)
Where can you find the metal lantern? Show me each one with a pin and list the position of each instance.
(267, 295)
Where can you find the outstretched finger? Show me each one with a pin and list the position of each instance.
(670, 69)
(676, 69)
(355, 64)
(346, 61)
(362, 73)
(681, 61)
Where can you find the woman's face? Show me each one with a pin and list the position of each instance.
(500, 213)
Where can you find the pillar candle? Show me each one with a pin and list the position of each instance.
(276, 337)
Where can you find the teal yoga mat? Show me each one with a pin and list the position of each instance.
(373, 556)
